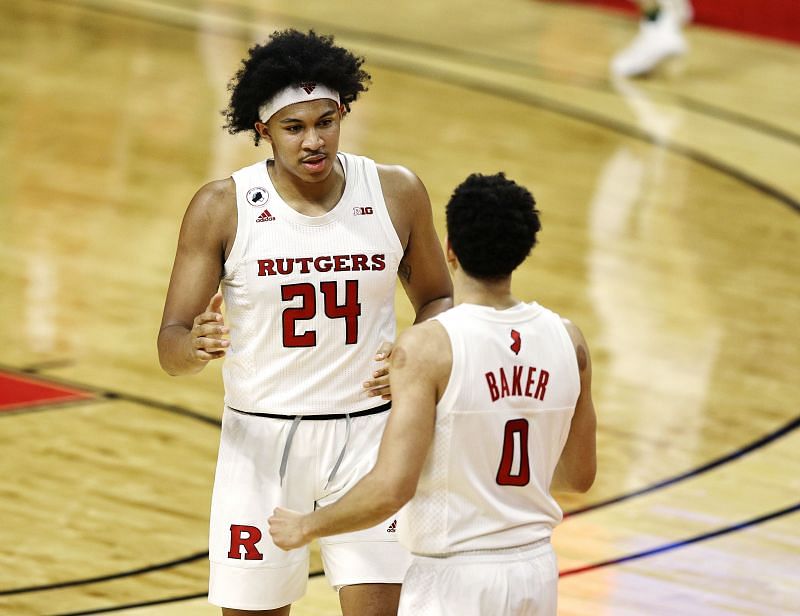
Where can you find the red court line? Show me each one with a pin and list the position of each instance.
(20, 392)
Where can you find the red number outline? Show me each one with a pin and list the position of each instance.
(504, 476)
(349, 311)
(305, 311)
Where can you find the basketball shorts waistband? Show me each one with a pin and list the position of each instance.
(520, 550)
(325, 417)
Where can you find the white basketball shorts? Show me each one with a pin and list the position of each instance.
(248, 571)
(515, 582)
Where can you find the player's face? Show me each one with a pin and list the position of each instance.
(305, 138)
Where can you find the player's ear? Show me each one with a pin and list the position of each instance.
(263, 130)
(452, 260)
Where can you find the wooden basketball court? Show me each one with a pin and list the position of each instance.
(671, 236)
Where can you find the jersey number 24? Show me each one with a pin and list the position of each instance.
(349, 311)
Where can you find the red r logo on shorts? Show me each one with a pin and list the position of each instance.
(245, 537)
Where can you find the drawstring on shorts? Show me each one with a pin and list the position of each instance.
(296, 419)
(341, 454)
(288, 445)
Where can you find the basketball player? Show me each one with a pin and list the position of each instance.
(307, 246)
(660, 37)
(492, 408)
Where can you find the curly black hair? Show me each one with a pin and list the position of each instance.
(291, 57)
(492, 224)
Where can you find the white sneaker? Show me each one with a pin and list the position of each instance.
(657, 40)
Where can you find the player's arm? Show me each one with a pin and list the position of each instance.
(417, 367)
(192, 328)
(577, 466)
(423, 270)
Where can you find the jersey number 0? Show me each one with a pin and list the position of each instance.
(349, 311)
(516, 431)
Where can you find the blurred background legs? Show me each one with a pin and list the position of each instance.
(660, 37)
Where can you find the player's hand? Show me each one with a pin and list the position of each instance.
(378, 385)
(286, 529)
(206, 338)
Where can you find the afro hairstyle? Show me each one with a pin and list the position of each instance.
(288, 58)
(492, 224)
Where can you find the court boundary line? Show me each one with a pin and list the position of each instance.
(738, 453)
(594, 119)
(766, 439)
(106, 578)
(469, 83)
(110, 395)
(678, 544)
(752, 522)
(177, 599)
(50, 406)
(786, 429)
(104, 394)
(542, 103)
(497, 63)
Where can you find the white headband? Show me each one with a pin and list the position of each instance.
(301, 93)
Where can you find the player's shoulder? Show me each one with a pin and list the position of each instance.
(400, 181)
(579, 342)
(424, 334)
(213, 201)
(215, 193)
(573, 330)
(211, 214)
(426, 343)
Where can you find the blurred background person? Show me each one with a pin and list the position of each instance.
(660, 37)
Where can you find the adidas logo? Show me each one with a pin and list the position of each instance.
(265, 216)
(392, 527)
(308, 86)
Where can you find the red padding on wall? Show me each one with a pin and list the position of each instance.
(779, 19)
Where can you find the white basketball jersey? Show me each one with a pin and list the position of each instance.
(501, 425)
(308, 299)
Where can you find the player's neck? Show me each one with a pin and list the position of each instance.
(309, 198)
(493, 293)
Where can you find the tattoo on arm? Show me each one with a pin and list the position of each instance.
(404, 271)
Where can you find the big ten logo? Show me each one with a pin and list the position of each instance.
(362, 211)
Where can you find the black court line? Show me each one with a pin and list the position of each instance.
(769, 438)
(474, 84)
(583, 115)
(498, 63)
(118, 608)
(130, 606)
(525, 98)
(511, 65)
(106, 578)
(765, 440)
(102, 394)
(50, 406)
(679, 544)
(179, 410)
(566, 573)
(107, 394)
(52, 364)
